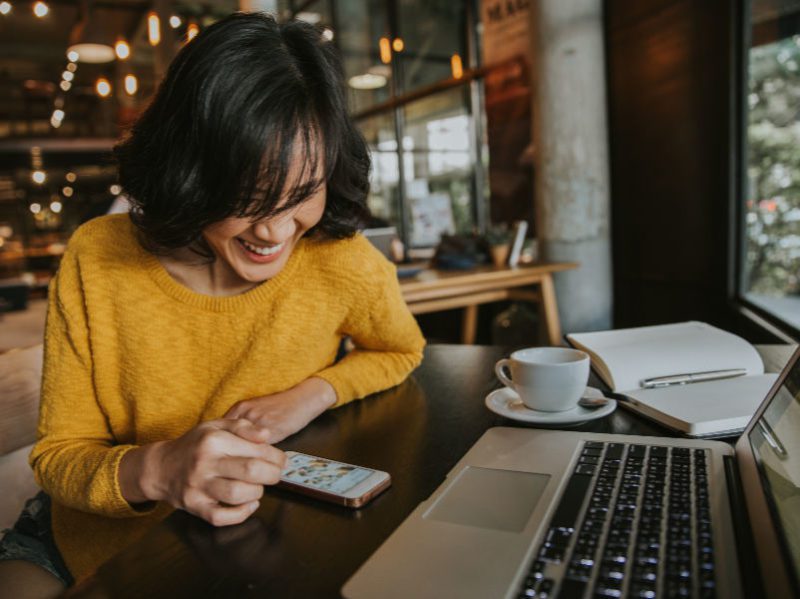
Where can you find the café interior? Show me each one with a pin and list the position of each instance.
(539, 170)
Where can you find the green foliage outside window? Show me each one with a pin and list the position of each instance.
(773, 199)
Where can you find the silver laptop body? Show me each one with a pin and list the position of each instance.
(486, 532)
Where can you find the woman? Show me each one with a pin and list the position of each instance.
(186, 339)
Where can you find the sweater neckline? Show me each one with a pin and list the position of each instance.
(223, 303)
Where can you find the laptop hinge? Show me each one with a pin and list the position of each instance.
(751, 577)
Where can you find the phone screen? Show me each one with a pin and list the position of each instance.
(323, 474)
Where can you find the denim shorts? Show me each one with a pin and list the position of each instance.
(31, 539)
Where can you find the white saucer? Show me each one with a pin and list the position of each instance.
(506, 402)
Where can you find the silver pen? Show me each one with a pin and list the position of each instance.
(692, 377)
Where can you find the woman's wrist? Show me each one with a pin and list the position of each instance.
(139, 478)
(323, 392)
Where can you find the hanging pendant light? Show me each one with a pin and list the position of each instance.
(90, 41)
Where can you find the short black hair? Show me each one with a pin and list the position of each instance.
(217, 140)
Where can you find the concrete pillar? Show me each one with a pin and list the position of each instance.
(571, 156)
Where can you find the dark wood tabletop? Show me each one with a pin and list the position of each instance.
(300, 547)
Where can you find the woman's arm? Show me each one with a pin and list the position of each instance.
(76, 458)
(388, 347)
(388, 341)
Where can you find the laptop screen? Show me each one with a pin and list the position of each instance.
(775, 440)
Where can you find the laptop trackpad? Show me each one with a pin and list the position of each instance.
(489, 498)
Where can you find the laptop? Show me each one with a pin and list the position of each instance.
(545, 513)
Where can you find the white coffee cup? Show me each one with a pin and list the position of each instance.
(550, 379)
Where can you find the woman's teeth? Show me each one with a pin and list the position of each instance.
(262, 250)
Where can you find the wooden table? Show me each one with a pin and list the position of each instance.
(295, 546)
(436, 290)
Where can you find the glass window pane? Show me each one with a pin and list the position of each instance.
(431, 32)
(360, 26)
(438, 166)
(771, 277)
(384, 177)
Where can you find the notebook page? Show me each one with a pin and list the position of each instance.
(631, 355)
(705, 408)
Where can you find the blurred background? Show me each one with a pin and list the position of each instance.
(667, 163)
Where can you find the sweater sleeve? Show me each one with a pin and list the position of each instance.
(76, 458)
(388, 341)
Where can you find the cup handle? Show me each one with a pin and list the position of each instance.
(499, 370)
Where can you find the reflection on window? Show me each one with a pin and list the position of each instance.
(771, 277)
(438, 166)
(361, 25)
(384, 176)
(431, 32)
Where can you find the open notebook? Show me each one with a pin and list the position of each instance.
(627, 358)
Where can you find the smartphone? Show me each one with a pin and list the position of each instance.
(337, 482)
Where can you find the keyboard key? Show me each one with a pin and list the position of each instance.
(614, 451)
(585, 469)
(595, 444)
(571, 588)
(646, 590)
(658, 452)
(571, 502)
(637, 451)
(552, 554)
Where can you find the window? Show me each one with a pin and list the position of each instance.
(424, 126)
(770, 265)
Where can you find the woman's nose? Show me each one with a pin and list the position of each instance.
(276, 229)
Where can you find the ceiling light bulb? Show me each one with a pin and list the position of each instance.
(38, 177)
(40, 9)
(73, 56)
(67, 191)
(174, 21)
(5, 8)
(36, 208)
(131, 84)
(327, 34)
(456, 67)
(385, 50)
(54, 122)
(65, 85)
(72, 67)
(122, 49)
(153, 29)
(115, 189)
(103, 87)
(58, 115)
(67, 75)
(71, 177)
(398, 45)
(191, 31)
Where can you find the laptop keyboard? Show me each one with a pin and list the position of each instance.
(645, 530)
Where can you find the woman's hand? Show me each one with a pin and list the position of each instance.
(289, 411)
(215, 471)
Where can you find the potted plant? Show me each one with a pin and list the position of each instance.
(498, 238)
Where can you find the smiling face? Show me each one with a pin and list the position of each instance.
(254, 251)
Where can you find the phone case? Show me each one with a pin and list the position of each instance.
(354, 502)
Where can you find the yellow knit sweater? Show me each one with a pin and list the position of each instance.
(133, 357)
